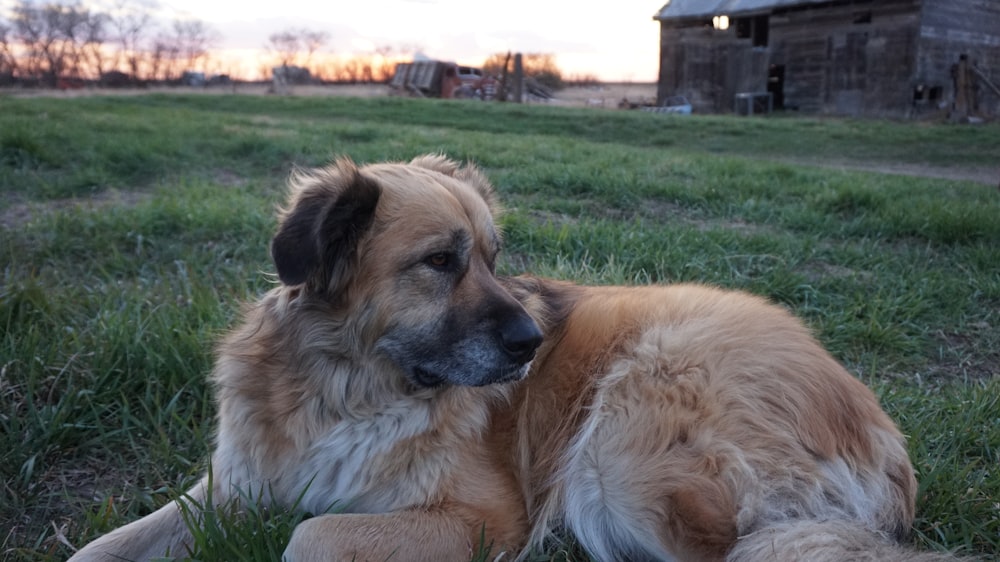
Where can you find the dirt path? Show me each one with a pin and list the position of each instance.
(608, 96)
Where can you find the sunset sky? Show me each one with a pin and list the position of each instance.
(617, 41)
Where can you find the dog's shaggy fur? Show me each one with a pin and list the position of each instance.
(392, 371)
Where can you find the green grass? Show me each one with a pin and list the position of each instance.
(134, 226)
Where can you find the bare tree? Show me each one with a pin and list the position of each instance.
(296, 47)
(56, 40)
(8, 62)
(164, 58)
(156, 59)
(68, 24)
(30, 31)
(195, 39)
(386, 67)
(313, 41)
(185, 47)
(285, 46)
(131, 21)
(349, 71)
(94, 36)
(365, 69)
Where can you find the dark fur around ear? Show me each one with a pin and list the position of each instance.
(328, 211)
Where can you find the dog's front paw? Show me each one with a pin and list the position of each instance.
(321, 539)
(302, 546)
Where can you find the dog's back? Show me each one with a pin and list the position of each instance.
(711, 415)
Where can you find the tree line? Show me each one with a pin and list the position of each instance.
(57, 45)
(62, 45)
(43, 44)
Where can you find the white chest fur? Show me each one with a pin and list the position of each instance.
(340, 468)
(346, 463)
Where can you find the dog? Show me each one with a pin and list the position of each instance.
(447, 410)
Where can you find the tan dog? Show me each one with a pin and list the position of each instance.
(392, 371)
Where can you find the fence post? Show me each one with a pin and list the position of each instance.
(518, 78)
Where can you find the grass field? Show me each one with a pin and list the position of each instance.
(132, 227)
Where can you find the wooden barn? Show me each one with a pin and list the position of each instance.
(880, 58)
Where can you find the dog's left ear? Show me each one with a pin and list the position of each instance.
(329, 209)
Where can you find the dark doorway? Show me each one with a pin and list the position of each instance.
(776, 85)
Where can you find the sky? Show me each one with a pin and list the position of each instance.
(616, 41)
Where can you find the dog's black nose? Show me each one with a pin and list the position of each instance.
(520, 337)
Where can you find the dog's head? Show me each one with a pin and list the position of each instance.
(404, 256)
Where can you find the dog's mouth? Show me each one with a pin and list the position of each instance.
(425, 379)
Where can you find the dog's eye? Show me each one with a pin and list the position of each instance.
(441, 260)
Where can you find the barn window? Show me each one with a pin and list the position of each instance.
(743, 29)
(863, 17)
(754, 28)
(760, 29)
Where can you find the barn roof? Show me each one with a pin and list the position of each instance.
(681, 9)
